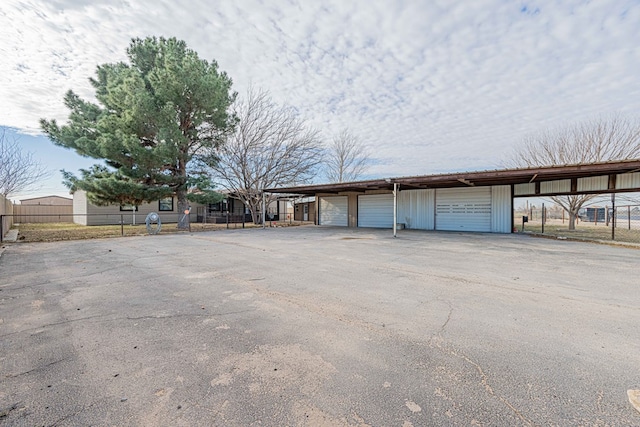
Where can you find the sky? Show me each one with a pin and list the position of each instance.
(429, 86)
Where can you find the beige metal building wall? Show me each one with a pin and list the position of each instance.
(48, 201)
(6, 208)
(80, 207)
(32, 214)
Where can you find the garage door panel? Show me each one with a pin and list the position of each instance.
(375, 210)
(463, 209)
(334, 211)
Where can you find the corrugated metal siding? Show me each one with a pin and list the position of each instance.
(558, 186)
(628, 180)
(32, 214)
(80, 207)
(501, 209)
(416, 209)
(48, 201)
(463, 209)
(524, 189)
(334, 211)
(375, 210)
(6, 208)
(593, 183)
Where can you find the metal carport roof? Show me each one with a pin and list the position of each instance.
(464, 179)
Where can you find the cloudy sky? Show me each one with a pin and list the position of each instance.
(430, 86)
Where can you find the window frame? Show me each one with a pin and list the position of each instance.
(165, 200)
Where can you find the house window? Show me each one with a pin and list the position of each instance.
(128, 208)
(218, 207)
(165, 204)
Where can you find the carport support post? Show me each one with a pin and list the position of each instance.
(264, 209)
(613, 216)
(395, 208)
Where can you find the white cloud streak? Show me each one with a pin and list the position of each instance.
(431, 86)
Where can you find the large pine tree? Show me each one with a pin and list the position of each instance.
(154, 116)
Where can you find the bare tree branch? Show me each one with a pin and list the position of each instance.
(270, 147)
(19, 171)
(594, 141)
(347, 158)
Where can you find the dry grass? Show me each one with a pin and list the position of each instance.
(69, 231)
(585, 232)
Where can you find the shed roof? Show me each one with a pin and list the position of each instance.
(466, 179)
(45, 197)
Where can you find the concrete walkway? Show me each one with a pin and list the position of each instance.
(11, 236)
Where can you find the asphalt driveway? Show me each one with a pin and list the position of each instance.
(309, 326)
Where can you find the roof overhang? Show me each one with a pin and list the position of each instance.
(471, 179)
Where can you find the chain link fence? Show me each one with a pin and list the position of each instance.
(89, 226)
(598, 223)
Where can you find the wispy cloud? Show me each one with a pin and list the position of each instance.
(431, 86)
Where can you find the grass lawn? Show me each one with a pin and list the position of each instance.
(585, 232)
(69, 231)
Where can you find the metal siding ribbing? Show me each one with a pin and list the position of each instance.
(628, 180)
(334, 211)
(416, 209)
(524, 189)
(463, 209)
(501, 210)
(375, 210)
(593, 183)
(80, 207)
(558, 186)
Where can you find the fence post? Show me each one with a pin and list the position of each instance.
(629, 215)
(543, 218)
(122, 224)
(613, 216)
(1, 228)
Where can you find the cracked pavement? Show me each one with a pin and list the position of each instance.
(308, 326)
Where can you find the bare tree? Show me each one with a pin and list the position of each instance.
(270, 147)
(19, 170)
(589, 142)
(347, 158)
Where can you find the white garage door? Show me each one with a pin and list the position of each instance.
(375, 210)
(334, 211)
(463, 209)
